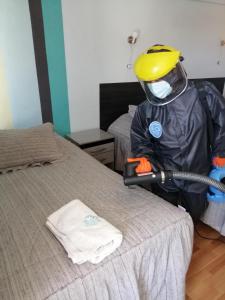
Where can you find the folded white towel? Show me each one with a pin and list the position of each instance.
(84, 235)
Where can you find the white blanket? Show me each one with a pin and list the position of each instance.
(84, 235)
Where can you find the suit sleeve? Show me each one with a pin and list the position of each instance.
(216, 103)
(141, 143)
(140, 140)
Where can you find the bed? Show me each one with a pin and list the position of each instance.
(151, 263)
(115, 117)
(117, 106)
(120, 129)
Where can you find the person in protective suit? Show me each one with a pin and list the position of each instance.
(180, 127)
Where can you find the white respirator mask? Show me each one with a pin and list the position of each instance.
(160, 89)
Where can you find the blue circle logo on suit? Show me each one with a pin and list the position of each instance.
(155, 129)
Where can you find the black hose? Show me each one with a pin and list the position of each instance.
(199, 178)
(164, 176)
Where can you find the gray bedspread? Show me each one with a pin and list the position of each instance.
(151, 263)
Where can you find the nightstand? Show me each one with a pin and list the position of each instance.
(97, 143)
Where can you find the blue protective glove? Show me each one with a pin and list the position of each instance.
(218, 173)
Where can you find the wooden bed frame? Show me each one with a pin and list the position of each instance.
(115, 98)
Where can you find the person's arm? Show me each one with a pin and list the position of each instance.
(141, 144)
(140, 140)
(216, 103)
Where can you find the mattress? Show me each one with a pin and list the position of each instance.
(120, 129)
(151, 263)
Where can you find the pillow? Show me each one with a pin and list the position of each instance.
(24, 147)
(131, 110)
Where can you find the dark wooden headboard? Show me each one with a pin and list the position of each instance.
(115, 98)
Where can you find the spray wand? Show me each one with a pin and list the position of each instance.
(139, 171)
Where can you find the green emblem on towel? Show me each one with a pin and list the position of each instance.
(91, 220)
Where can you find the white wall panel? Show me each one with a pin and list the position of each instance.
(17, 55)
(97, 50)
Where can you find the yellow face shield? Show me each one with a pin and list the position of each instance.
(161, 74)
(166, 89)
(156, 62)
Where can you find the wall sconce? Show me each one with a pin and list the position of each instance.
(220, 54)
(132, 39)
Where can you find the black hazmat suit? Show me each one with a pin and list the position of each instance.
(184, 144)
